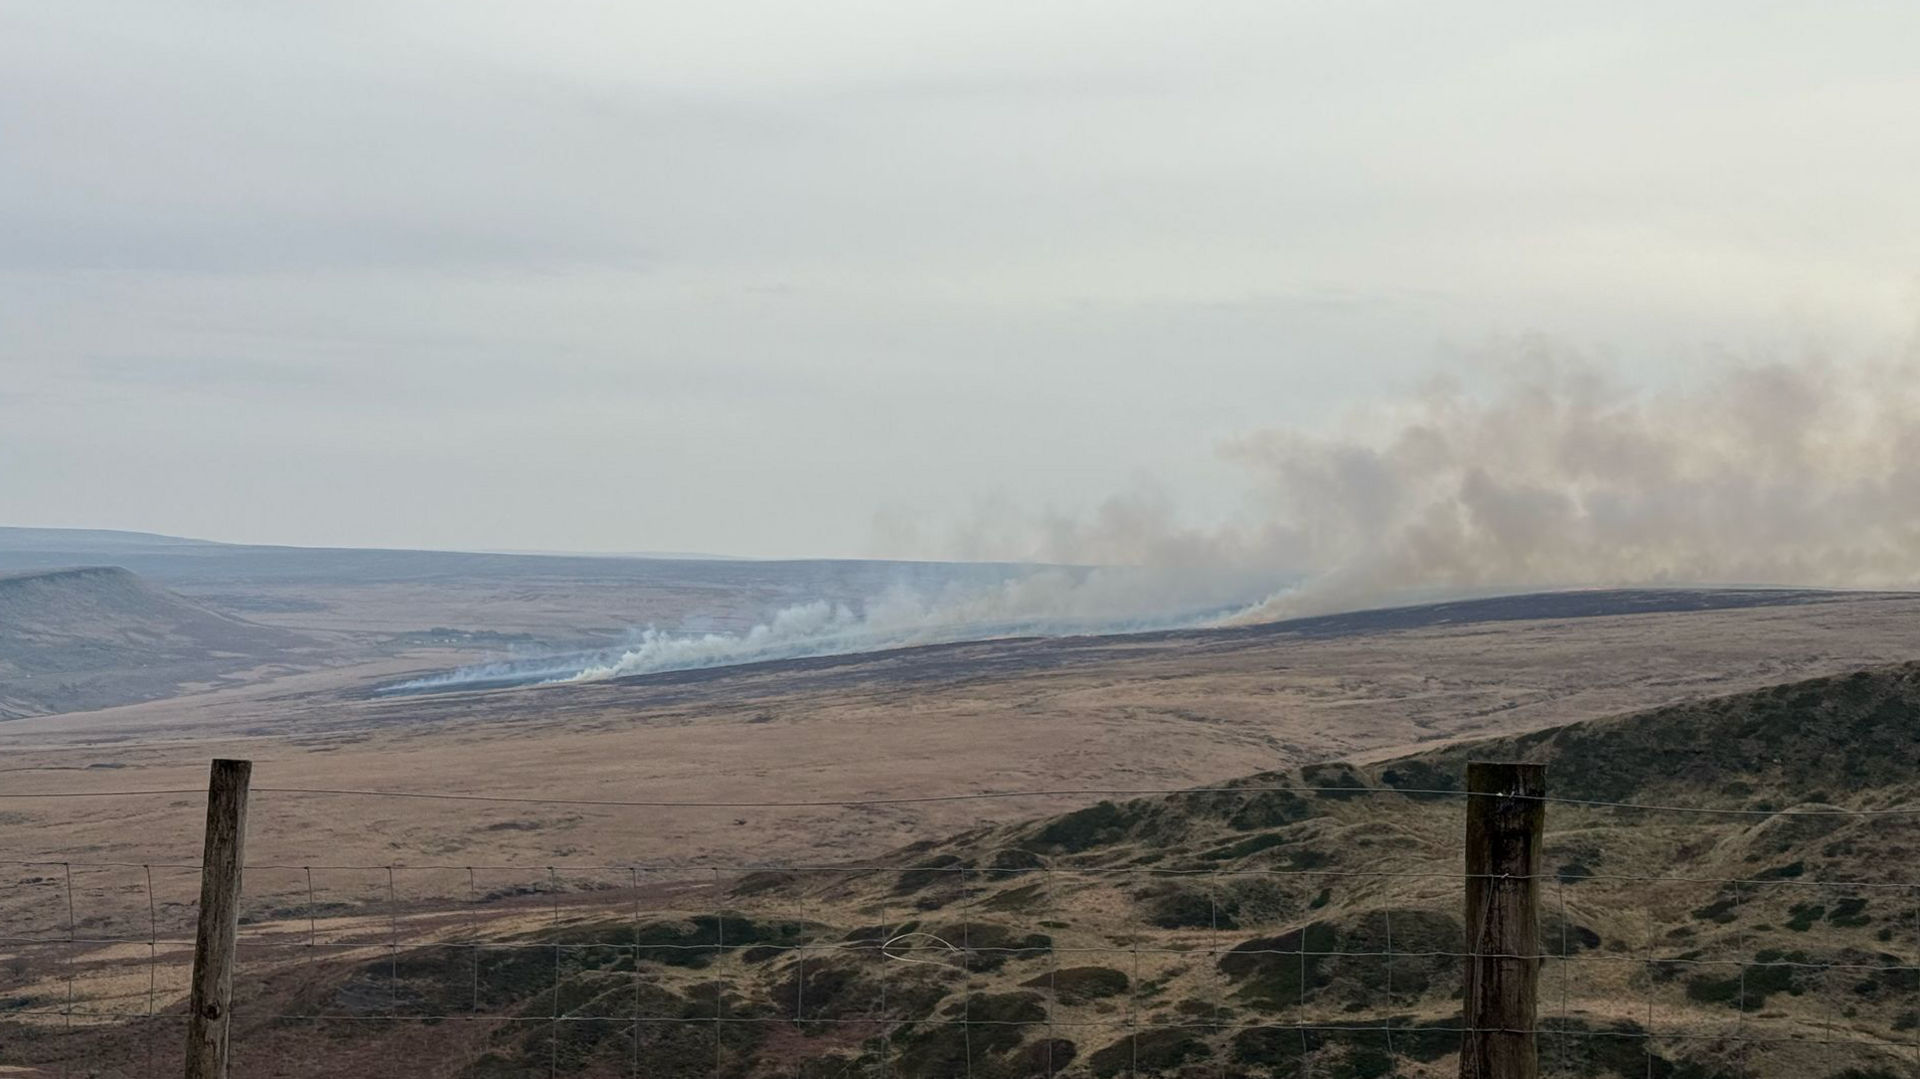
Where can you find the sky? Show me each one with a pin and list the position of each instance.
(847, 279)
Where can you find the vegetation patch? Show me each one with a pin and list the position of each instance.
(1048, 1056)
(1337, 781)
(1251, 845)
(1278, 972)
(1024, 898)
(944, 869)
(1724, 908)
(1771, 972)
(1184, 905)
(1268, 809)
(1099, 825)
(764, 881)
(1013, 860)
(1560, 935)
(1150, 1052)
(1078, 985)
(1801, 916)
(877, 934)
(988, 946)
(1428, 1040)
(1848, 913)
(1618, 1048)
(1419, 777)
(996, 1025)
(1268, 1047)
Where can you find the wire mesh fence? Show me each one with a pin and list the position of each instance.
(1326, 940)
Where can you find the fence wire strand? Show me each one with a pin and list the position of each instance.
(977, 796)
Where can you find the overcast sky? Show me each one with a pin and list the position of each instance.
(805, 279)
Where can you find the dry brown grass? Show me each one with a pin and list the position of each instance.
(1170, 712)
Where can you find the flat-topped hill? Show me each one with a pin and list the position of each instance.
(92, 636)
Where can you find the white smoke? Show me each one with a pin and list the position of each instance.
(1538, 468)
(1545, 472)
(1046, 602)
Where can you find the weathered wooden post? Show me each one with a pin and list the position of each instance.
(210, 1009)
(1505, 819)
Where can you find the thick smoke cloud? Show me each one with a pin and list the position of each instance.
(1557, 474)
(1543, 470)
(1538, 468)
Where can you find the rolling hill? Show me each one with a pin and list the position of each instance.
(1297, 922)
(566, 600)
(1760, 922)
(90, 637)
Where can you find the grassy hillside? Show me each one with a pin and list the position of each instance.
(1303, 923)
(73, 639)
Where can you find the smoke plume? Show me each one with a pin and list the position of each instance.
(1543, 470)
(1046, 602)
(1540, 469)
(1558, 475)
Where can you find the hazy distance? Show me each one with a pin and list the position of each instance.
(1069, 282)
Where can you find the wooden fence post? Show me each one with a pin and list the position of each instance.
(210, 1010)
(1505, 819)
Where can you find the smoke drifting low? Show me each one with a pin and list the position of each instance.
(1047, 602)
(1543, 472)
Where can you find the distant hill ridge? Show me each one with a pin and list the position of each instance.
(82, 637)
(182, 562)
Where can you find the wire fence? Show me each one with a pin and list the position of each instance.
(1325, 942)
